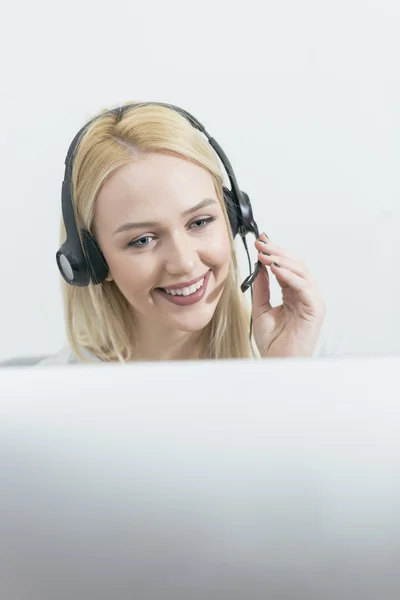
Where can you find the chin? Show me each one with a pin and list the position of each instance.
(194, 322)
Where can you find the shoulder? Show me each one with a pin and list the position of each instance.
(66, 356)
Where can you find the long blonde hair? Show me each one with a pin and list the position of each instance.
(98, 317)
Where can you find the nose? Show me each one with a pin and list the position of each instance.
(180, 256)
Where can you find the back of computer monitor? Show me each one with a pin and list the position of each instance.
(211, 480)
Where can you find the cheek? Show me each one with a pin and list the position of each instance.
(130, 275)
(218, 248)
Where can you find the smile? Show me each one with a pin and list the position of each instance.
(188, 294)
(185, 291)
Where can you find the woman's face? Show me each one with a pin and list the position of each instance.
(162, 231)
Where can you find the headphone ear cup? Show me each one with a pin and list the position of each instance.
(231, 209)
(95, 260)
(247, 220)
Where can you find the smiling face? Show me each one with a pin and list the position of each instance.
(163, 233)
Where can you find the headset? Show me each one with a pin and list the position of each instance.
(81, 264)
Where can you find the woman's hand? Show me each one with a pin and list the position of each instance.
(293, 328)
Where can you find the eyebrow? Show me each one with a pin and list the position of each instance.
(143, 224)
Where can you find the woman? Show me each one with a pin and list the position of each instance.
(148, 199)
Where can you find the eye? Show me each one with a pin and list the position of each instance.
(141, 242)
(202, 223)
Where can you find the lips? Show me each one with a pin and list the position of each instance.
(181, 300)
(179, 286)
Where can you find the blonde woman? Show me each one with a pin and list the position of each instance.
(148, 256)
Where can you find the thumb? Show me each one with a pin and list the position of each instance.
(261, 293)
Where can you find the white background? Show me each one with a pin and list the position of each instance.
(304, 97)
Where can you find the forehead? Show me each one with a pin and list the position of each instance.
(153, 186)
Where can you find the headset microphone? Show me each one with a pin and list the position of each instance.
(250, 279)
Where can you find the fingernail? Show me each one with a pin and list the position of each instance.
(276, 265)
(265, 235)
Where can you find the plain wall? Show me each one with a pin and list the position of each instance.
(303, 97)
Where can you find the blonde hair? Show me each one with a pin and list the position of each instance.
(98, 317)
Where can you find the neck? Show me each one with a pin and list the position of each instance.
(155, 344)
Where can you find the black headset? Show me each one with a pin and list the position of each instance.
(81, 265)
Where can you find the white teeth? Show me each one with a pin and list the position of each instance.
(186, 291)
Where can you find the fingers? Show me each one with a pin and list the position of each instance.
(303, 286)
(289, 271)
(261, 294)
(285, 263)
(271, 248)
